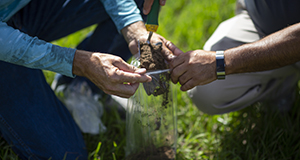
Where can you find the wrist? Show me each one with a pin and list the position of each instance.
(80, 61)
(134, 31)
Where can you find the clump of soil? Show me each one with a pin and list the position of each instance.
(153, 153)
(152, 59)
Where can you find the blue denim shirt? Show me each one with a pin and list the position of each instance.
(21, 49)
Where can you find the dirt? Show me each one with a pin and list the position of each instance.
(153, 153)
(152, 59)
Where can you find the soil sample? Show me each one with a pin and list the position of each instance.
(152, 59)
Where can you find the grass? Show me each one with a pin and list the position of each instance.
(255, 132)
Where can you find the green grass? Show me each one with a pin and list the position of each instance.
(255, 132)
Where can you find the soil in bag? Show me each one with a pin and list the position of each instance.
(152, 59)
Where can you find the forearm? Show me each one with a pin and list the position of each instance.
(131, 32)
(274, 51)
(21, 49)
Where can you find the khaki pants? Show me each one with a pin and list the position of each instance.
(241, 90)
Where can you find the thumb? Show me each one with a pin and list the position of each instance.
(176, 51)
(162, 2)
(133, 47)
(129, 68)
(147, 6)
(122, 65)
(125, 67)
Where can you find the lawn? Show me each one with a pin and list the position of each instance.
(256, 132)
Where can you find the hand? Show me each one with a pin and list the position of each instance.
(137, 31)
(108, 72)
(192, 68)
(148, 4)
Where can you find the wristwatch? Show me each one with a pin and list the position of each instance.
(220, 65)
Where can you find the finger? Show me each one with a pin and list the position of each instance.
(188, 85)
(147, 6)
(133, 47)
(167, 53)
(130, 73)
(141, 70)
(129, 77)
(122, 65)
(174, 78)
(177, 61)
(186, 76)
(177, 72)
(124, 90)
(162, 2)
(176, 51)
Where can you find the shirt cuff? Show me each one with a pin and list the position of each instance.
(63, 64)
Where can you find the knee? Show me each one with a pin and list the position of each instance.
(210, 109)
(207, 100)
(208, 105)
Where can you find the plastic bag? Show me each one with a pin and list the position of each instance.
(83, 105)
(158, 84)
(151, 124)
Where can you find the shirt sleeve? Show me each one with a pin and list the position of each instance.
(22, 49)
(122, 12)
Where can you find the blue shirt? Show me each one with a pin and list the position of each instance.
(22, 49)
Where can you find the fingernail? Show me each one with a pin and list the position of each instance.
(150, 79)
(141, 70)
(144, 11)
(171, 56)
(158, 43)
(163, 2)
(168, 43)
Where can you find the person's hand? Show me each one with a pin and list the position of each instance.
(108, 72)
(137, 31)
(148, 5)
(192, 68)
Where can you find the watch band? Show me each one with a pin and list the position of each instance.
(220, 64)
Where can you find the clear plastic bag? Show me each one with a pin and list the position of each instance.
(151, 123)
(158, 85)
(83, 105)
